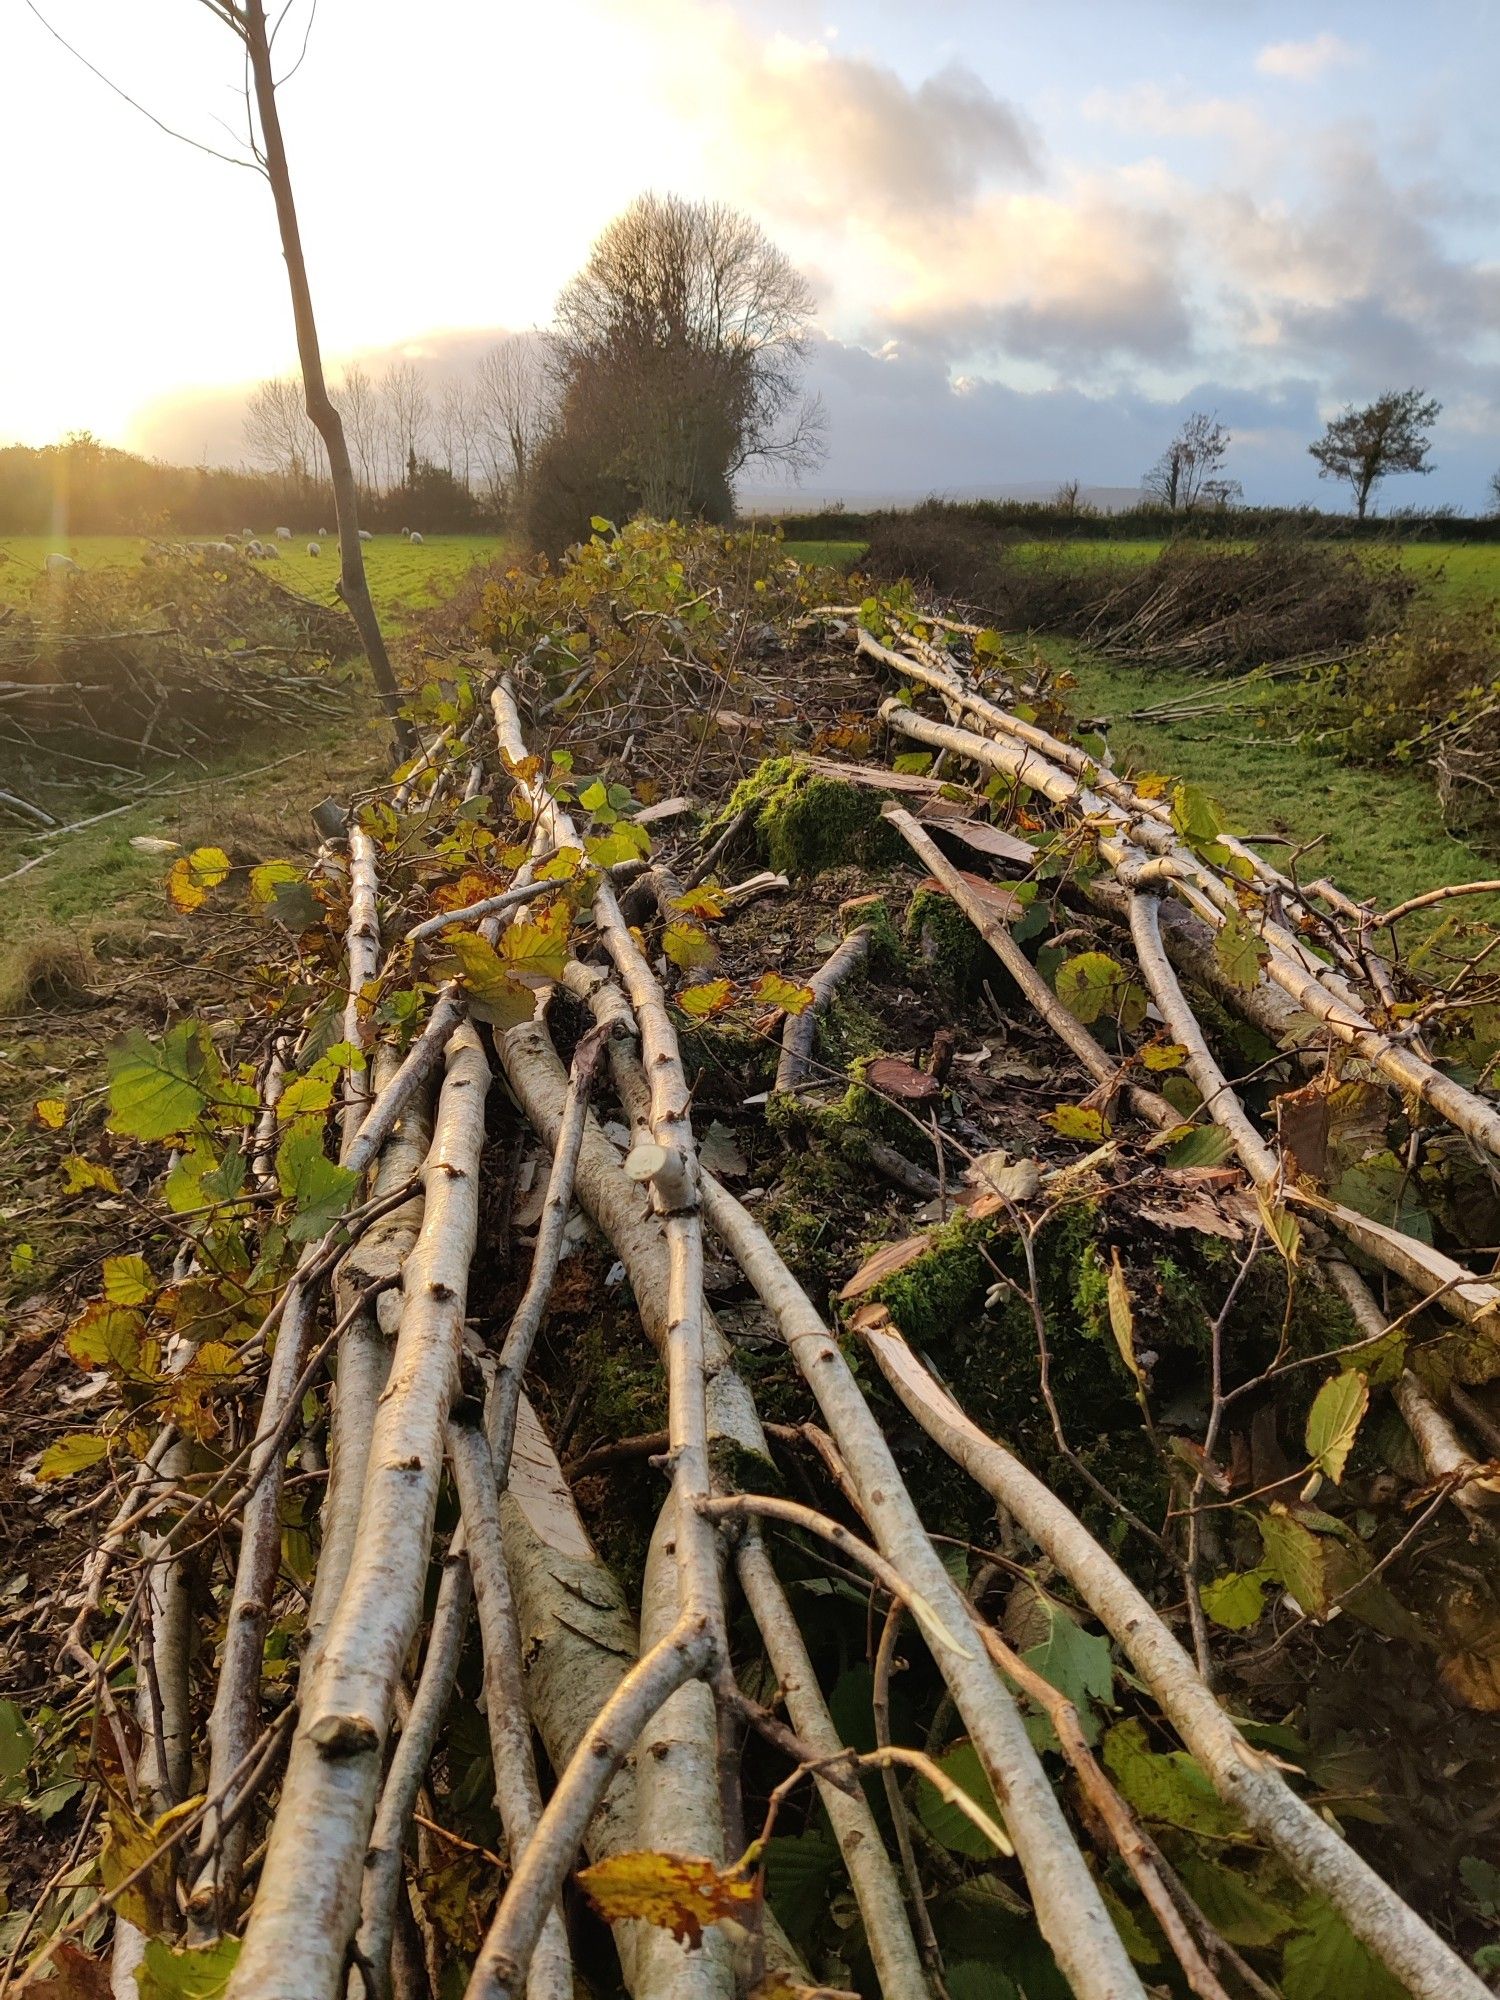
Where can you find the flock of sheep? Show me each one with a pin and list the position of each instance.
(245, 543)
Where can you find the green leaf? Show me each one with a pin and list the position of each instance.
(17, 1747)
(1164, 1055)
(709, 996)
(270, 876)
(688, 946)
(71, 1454)
(1334, 1419)
(1235, 1907)
(304, 1096)
(1325, 1960)
(1168, 1788)
(318, 1187)
(1236, 1600)
(625, 842)
(127, 1281)
(1091, 984)
(202, 1974)
(800, 1873)
(947, 1823)
(495, 994)
(912, 763)
(1077, 1664)
(1198, 1146)
(152, 1094)
(1241, 952)
(1078, 1121)
(295, 906)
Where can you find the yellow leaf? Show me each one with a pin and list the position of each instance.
(680, 1893)
(80, 1173)
(1122, 1320)
(688, 946)
(127, 1282)
(71, 1454)
(193, 875)
(703, 902)
(710, 996)
(51, 1112)
(771, 990)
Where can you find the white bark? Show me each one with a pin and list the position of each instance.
(1242, 1776)
(381, 1887)
(1069, 1910)
(308, 1901)
(364, 1351)
(517, 1793)
(801, 1029)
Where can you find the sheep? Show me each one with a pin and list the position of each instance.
(283, 534)
(231, 536)
(406, 534)
(270, 551)
(255, 548)
(322, 534)
(248, 533)
(313, 549)
(365, 535)
(414, 538)
(61, 565)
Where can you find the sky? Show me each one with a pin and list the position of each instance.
(1038, 235)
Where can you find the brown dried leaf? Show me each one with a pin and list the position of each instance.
(680, 1893)
(902, 1081)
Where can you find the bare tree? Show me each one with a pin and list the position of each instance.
(453, 428)
(359, 406)
(1495, 492)
(1388, 435)
(515, 396)
(247, 20)
(279, 433)
(1188, 474)
(694, 327)
(408, 413)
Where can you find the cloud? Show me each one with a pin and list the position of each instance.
(1071, 280)
(1356, 280)
(823, 134)
(1304, 62)
(1154, 111)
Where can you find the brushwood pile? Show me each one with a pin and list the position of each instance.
(794, 1339)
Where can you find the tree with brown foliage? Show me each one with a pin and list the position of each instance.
(681, 350)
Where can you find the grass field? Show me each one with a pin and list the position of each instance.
(1460, 572)
(403, 579)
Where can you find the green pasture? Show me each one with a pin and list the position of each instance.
(403, 579)
(1459, 572)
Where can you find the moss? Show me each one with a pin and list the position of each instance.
(940, 938)
(806, 821)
